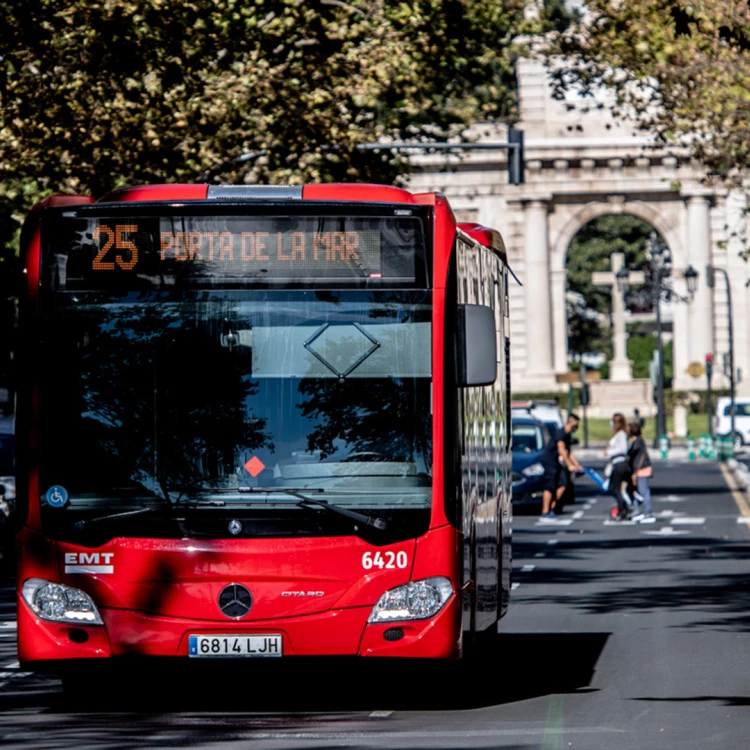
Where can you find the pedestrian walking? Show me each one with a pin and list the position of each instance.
(618, 469)
(558, 453)
(641, 468)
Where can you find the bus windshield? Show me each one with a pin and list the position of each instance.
(196, 399)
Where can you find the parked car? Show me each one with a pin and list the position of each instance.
(7, 461)
(547, 412)
(551, 416)
(7, 494)
(723, 419)
(529, 438)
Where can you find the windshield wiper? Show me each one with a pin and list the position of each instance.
(310, 502)
(82, 524)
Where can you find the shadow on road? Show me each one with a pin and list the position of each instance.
(513, 667)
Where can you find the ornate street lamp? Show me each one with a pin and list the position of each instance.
(661, 268)
(710, 272)
(691, 279)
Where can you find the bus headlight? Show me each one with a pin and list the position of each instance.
(415, 600)
(60, 603)
(535, 470)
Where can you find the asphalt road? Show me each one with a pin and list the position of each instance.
(620, 637)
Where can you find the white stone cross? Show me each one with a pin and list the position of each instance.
(620, 368)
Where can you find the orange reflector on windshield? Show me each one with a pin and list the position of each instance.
(254, 466)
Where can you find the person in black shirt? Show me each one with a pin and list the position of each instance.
(640, 466)
(556, 453)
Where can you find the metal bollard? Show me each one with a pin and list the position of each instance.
(691, 448)
(663, 446)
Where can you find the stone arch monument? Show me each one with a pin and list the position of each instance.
(582, 163)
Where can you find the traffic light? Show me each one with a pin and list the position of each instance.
(709, 365)
(515, 157)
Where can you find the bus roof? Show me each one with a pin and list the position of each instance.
(326, 192)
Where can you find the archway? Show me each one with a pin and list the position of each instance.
(611, 331)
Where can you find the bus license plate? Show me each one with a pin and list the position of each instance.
(214, 646)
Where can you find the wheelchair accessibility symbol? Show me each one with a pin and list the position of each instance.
(57, 496)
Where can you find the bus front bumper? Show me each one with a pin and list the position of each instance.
(345, 632)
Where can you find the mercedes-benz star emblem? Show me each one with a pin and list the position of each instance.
(235, 601)
(235, 527)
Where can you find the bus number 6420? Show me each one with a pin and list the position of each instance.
(384, 560)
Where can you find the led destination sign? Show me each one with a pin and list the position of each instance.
(136, 252)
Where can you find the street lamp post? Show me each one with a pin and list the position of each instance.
(661, 424)
(710, 271)
(661, 269)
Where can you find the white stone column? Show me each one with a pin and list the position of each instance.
(538, 297)
(621, 368)
(558, 279)
(700, 310)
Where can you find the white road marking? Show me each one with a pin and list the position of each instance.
(540, 554)
(670, 499)
(555, 522)
(14, 674)
(743, 519)
(430, 738)
(527, 568)
(688, 521)
(668, 514)
(552, 541)
(380, 714)
(665, 531)
(578, 514)
(514, 586)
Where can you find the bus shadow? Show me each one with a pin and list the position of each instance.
(513, 667)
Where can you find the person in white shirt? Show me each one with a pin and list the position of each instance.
(618, 468)
(618, 443)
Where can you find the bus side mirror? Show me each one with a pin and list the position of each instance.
(477, 346)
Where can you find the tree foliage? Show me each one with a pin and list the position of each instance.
(681, 67)
(641, 348)
(97, 95)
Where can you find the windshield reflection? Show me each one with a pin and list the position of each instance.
(146, 400)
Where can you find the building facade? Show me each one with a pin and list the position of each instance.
(582, 163)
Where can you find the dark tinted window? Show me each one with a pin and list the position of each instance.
(7, 465)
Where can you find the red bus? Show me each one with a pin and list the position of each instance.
(260, 422)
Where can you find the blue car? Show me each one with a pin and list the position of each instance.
(529, 438)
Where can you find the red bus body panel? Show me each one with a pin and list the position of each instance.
(315, 592)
